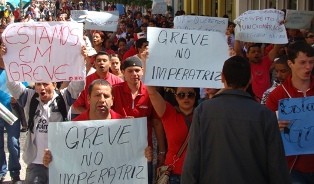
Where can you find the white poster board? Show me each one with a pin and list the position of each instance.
(159, 7)
(103, 151)
(261, 26)
(103, 21)
(298, 19)
(44, 51)
(201, 23)
(78, 15)
(185, 58)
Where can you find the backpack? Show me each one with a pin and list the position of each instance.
(33, 106)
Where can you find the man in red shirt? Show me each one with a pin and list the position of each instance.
(260, 66)
(299, 84)
(140, 46)
(102, 65)
(100, 101)
(131, 99)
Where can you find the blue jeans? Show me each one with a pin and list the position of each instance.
(13, 136)
(298, 177)
(174, 179)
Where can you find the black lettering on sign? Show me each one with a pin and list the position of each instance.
(186, 53)
(105, 175)
(121, 133)
(96, 158)
(92, 136)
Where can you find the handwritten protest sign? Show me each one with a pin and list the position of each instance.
(298, 137)
(201, 23)
(298, 19)
(103, 151)
(120, 8)
(76, 15)
(159, 7)
(189, 58)
(44, 51)
(103, 21)
(261, 26)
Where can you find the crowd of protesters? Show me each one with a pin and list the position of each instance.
(120, 58)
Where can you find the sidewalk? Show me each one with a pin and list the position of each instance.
(23, 165)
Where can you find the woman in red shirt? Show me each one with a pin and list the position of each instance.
(176, 121)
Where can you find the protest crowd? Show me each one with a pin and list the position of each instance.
(229, 129)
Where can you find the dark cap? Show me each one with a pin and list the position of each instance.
(131, 61)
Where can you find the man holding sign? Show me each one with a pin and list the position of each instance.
(300, 84)
(100, 100)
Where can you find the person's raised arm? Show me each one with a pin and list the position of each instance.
(238, 48)
(157, 100)
(2, 52)
(274, 52)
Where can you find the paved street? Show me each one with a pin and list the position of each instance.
(22, 174)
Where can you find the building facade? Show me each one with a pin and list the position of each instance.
(234, 8)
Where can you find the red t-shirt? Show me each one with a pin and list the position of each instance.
(81, 101)
(85, 116)
(261, 76)
(304, 163)
(131, 52)
(141, 106)
(109, 51)
(176, 131)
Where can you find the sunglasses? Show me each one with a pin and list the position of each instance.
(310, 36)
(190, 95)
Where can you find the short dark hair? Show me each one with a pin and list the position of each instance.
(102, 53)
(139, 43)
(282, 60)
(237, 72)
(300, 46)
(98, 82)
(254, 45)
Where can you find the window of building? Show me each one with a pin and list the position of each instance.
(255, 5)
(311, 5)
(271, 4)
(292, 4)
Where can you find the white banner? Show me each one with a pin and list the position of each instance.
(103, 151)
(44, 51)
(201, 23)
(78, 15)
(261, 26)
(185, 58)
(159, 8)
(298, 19)
(103, 21)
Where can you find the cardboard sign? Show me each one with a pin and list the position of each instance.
(261, 26)
(185, 58)
(298, 19)
(120, 8)
(298, 137)
(103, 21)
(103, 151)
(201, 23)
(44, 51)
(159, 8)
(78, 15)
